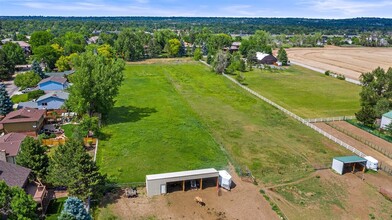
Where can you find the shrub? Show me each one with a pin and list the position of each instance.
(340, 76)
(327, 73)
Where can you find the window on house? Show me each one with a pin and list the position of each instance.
(44, 104)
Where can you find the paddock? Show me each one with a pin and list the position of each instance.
(158, 184)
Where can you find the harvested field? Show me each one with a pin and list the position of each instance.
(350, 62)
(355, 143)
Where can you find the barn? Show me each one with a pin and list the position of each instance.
(348, 164)
(265, 58)
(163, 183)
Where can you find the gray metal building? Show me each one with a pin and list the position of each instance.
(157, 184)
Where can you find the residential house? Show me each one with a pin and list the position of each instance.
(265, 58)
(93, 40)
(27, 120)
(10, 146)
(50, 101)
(53, 83)
(14, 175)
(25, 46)
(64, 74)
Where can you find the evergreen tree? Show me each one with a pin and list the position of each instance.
(209, 58)
(197, 55)
(282, 56)
(5, 101)
(204, 49)
(72, 166)
(74, 209)
(33, 156)
(182, 51)
(37, 69)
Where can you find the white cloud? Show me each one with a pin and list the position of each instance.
(346, 7)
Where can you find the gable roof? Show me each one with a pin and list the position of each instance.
(60, 74)
(350, 159)
(10, 143)
(13, 175)
(261, 56)
(388, 115)
(58, 94)
(23, 115)
(57, 79)
(29, 104)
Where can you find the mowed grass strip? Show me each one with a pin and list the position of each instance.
(152, 130)
(306, 93)
(276, 148)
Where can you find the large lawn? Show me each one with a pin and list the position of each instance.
(305, 92)
(152, 129)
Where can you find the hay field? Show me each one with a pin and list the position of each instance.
(349, 61)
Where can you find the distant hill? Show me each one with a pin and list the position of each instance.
(59, 25)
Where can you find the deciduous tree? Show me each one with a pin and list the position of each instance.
(95, 84)
(174, 46)
(282, 56)
(27, 80)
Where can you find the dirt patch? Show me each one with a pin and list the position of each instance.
(243, 202)
(351, 62)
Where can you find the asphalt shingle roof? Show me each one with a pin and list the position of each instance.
(13, 175)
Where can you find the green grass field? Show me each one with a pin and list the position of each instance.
(152, 129)
(305, 92)
(161, 116)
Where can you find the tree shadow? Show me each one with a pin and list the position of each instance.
(124, 114)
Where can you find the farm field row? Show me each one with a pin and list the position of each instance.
(176, 116)
(305, 92)
(349, 61)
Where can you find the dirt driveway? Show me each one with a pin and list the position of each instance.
(243, 202)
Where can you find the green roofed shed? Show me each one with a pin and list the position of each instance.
(388, 115)
(348, 164)
(350, 159)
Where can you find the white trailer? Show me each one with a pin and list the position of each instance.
(224, 179)
(372, 163)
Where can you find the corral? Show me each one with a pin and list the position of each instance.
(349, 61)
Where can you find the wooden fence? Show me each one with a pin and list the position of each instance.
(57, 142)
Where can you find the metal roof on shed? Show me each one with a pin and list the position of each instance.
(350, 159)
(208, 171)
(388, 115)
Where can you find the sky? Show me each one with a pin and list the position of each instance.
(200, 8)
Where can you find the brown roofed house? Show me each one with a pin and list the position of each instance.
(27, 120)
(10, 146)
(14, 175)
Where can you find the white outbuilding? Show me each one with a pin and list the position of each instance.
(386, 119)
(163, 183)
(224, 179)
(372, 163)
(348, 164)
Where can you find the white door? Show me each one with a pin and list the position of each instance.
(163, 189)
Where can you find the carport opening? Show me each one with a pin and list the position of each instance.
(196, 184)
(353, 167)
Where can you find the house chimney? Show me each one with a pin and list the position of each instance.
(3, 156)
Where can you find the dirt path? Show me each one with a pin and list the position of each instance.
(387, 146)
(356, 144)
(351, 62)
(244, 201)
